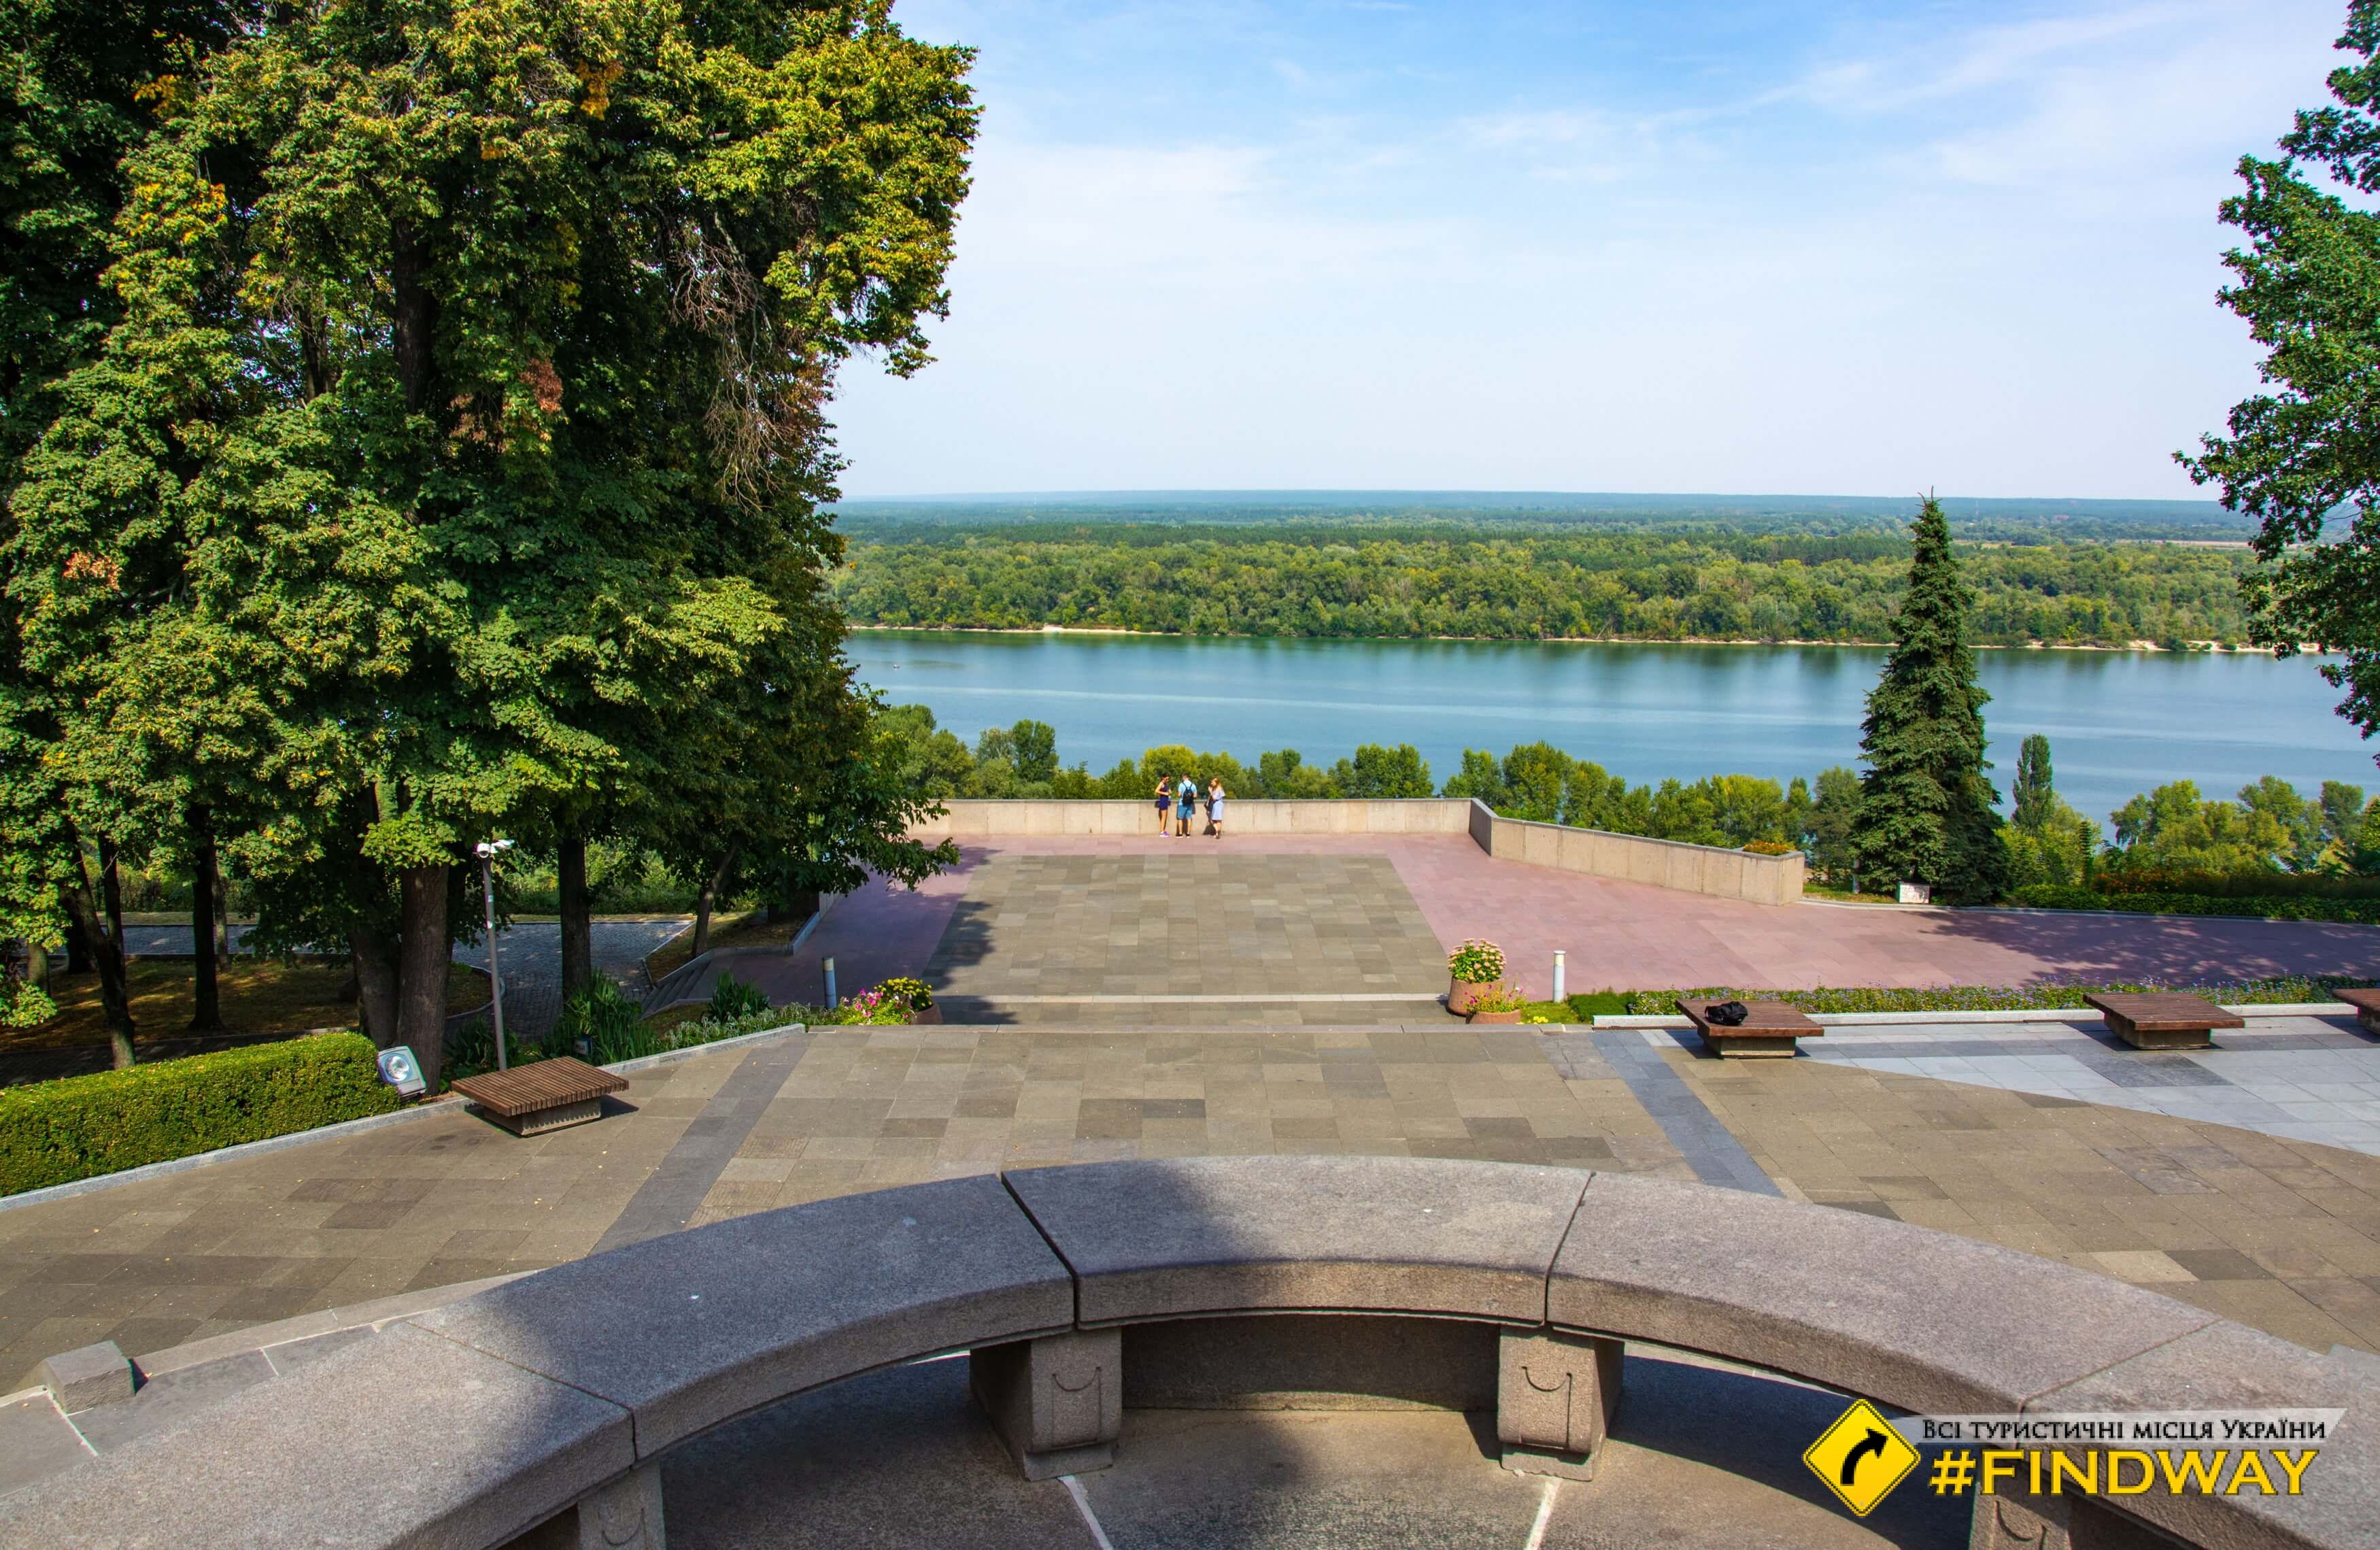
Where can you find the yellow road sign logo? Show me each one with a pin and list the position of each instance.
(1861, 1458)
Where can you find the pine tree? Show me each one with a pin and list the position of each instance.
(1927, 813)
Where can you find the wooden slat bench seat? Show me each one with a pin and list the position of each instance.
(543, 1095)
(2366, 1004)
(1770, 1029)
(2163, 1020)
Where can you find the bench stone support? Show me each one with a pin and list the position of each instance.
(625, 1514)
(1555, 1399)
(1057, 1401)
(2023, 1522)
(88, 1376)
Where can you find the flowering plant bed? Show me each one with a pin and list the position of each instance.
(1476, 962)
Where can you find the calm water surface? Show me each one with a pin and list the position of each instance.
(2117, 722)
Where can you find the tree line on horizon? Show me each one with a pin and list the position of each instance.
(1622, 585)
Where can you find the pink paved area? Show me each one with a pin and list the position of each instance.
(1628, 935)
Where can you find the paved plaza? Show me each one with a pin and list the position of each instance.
(1433, 891)
(1143, 998)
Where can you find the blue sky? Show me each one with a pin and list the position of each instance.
(1854, 249)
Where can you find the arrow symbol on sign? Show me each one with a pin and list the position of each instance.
(1872, 1443)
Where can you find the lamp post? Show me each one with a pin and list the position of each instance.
(489, 850)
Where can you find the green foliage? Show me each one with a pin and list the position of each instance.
(1703, 585)
(1587, 1006)
(2356, 911)
(23, 1004)
(1476, 962)
(1383, 771)
(731, 999)
(454, 466)
(601, 1015)
(2173, 828)
(1926, 810)
(53, 1132)
(1987, 999)
(2300, 451)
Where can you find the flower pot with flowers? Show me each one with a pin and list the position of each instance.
(1474, 967)
(1497, 1004)
(915, 995)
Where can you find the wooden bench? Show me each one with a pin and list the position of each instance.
(1768, 1031)
(2163, 1020)
(543, 1095)
(2366, 1004)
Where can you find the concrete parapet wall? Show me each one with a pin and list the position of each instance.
(1694, 869)
(559, 1392)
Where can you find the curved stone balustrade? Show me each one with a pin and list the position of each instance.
(543, 1404)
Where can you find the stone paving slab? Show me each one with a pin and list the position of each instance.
(2298, 1078)
(2283, 1234)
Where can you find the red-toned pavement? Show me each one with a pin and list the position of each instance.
(1627, 935)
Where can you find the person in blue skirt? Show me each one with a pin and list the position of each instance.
(1215, 807)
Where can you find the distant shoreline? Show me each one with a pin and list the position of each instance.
(2144, 647)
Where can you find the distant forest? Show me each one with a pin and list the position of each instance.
(1441, 511)
(1325, 579)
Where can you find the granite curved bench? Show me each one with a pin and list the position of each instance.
(537, 1413)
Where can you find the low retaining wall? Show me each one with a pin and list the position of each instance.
(553, 1398)
(1694, 869)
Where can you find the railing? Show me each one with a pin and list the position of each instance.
(557, 1393)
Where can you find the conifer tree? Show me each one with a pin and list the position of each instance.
(1926, 812)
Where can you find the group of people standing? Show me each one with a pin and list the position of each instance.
(1180, 798)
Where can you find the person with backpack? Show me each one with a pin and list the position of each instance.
(1189, 802)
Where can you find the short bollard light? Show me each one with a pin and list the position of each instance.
(402, 1071)
(1558, 974)
(830, 1002)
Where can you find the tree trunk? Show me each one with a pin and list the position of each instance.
(207, 1018)
(110, 890)
(81, 956)
(578, 922)
(108, 956)
(707, 896)
(37, 965)
(421, 952)
(374, 958)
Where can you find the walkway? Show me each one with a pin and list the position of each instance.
(530, 952)
(1158, 917)
(2277, 1233)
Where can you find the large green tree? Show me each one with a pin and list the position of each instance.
(82, 83)
(2308, 286)
(462, 444)
(1927, 808)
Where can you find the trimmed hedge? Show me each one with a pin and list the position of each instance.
(1983, 998)
(54, 1132)
(2055, 896)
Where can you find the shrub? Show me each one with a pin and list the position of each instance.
(2050, 896)
(1476, 962)
(604, 1017)
(1769, 848)
(732, 998)
(54, 1132)
(23, 1004)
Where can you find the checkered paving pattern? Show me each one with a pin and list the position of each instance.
(1202, 923)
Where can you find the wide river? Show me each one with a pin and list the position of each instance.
(2117, 722)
